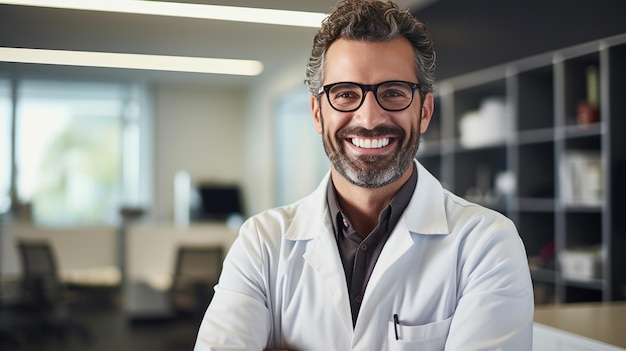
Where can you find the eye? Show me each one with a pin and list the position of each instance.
(393, 93)
(345, 92)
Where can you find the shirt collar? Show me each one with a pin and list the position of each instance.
(394, 210)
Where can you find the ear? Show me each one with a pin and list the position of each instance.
(317, 114)
(428, 107)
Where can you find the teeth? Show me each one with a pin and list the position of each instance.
(370, 143)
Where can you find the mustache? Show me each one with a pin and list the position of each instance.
(384, 130)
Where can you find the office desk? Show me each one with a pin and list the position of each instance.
(581, 326)
(105, 276)
(151, 259)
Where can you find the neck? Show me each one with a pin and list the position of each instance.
(364, 205)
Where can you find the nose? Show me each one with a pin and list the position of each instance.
(370, 114)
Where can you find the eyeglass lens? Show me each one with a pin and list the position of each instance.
(393, 96)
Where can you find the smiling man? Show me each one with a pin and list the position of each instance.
(379, 256)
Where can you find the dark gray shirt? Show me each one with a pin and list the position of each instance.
(359, 255)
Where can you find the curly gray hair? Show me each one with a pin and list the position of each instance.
(371, 20)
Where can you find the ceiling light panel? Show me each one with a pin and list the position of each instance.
(188, 10)
(132, 61)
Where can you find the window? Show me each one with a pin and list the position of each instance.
(78, 148)
(5, 145)
(298, 169)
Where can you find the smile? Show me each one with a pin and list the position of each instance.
(370, 143)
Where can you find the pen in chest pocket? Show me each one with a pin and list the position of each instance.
(395, 325)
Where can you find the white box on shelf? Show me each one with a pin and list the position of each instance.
(581, 265)
(582, 178)
(490, 124)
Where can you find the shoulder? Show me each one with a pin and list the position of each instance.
(300, 220)
(275, 220)
(477, 225)
(261, 239)
(462, 209)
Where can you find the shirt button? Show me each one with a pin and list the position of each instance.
(358, 298)
(363, 247)
(345, 223)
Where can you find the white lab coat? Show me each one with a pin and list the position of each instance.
(455, 273)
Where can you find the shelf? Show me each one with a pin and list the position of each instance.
(540, 159)
(592, 284)
(543, 275)
(535, 136)
(535, 205)
(458, 148)
(578, 131)
(582, 208)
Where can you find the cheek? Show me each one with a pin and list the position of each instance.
(332, 121)
(410, 124)
(417, 123)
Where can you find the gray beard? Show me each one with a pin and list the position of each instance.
(372, 177)
(372, 171)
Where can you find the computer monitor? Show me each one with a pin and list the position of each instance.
(217, 202)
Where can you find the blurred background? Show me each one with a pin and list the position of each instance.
(130, 178)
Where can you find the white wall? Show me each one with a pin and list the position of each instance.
(198, 129)
(226, 136)
(260, 167)
(299, 153)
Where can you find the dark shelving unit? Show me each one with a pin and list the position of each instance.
(530, 171)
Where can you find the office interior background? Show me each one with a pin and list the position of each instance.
(109, 165)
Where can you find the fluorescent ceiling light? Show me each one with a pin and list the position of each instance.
(132, 61)
(162, 8)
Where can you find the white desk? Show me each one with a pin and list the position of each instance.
(105, 276)
(580, 327)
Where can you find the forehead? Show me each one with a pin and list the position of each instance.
(369, 62)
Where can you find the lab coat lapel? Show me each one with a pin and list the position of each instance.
(312, 223)
(397, 245)
(425, 214)
(323, 256)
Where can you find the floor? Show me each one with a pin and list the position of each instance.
(108, 328)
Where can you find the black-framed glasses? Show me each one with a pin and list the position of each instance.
(393, 95)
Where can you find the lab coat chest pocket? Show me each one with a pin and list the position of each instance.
(427, 337)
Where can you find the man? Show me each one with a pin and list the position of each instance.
(380, 256)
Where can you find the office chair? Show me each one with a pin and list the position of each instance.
(196, 273)
(10, 333)
(44, 296)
